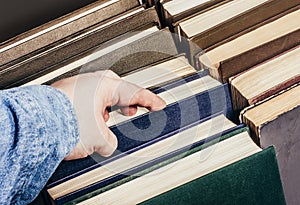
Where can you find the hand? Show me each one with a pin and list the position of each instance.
(91, 95)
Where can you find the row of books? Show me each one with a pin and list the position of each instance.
(254, 47)
(191, 147)
(213, 62)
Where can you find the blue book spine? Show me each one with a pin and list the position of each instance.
(147, 129)
(149, 126)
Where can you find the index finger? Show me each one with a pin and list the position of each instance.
(130, 94)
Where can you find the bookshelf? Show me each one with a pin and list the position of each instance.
(138, 35)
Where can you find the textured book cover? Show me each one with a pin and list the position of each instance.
(253, 180)
(233, 26)
(87, 43)
(283, 132)
(256, 53)
(62, 27)
(179, 114)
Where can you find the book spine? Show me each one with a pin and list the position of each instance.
(239, 102)
(179, 114)
(255, 56)
(243, 21)
(147, 167)
(73, 49)
(47, 36)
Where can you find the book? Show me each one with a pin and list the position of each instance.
(258, 173)
(198, 94)
(161, 73)
(79, 51)
(203, 30)
(198, 98)
(180, 91)
(268, 39)
(176, 10)
(205, 164)
(265, 79)
(158, 73)
(275, 121)
(69, 24)
(139, 158)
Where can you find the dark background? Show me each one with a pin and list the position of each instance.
(18, 16)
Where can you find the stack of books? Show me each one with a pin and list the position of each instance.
(229, 71)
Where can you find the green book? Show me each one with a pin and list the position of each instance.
(229, 169)
(253, 180)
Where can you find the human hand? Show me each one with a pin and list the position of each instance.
(91, 95)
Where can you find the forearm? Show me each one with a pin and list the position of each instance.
(38, 129)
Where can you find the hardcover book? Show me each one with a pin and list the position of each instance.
(189, 102)
(243, 182)
(265, 79)
(254, 46)
(103, 40)
(65, 26)
(204, 30)
(206, 172)
(206, 97)
(176, 10)
(276, 122)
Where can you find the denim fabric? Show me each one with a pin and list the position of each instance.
(38, 128)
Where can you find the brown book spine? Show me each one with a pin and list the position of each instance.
(41, 63)
(282, 86)
(46, 37)
(258, 55)
(241, 22)
(131, 57)
(239, 102)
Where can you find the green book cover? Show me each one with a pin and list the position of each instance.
(235, 131)
(253, 180)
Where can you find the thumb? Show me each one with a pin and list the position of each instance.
(102, 141)
(107, 142)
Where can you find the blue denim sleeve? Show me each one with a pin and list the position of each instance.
(38, 128)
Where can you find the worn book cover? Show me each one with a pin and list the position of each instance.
(275, 121)
(212, 35)
(257, 51)
(62, 27)
(253, 180)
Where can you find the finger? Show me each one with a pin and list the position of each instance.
(130, 94)
(129, 111)
(150, 100)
